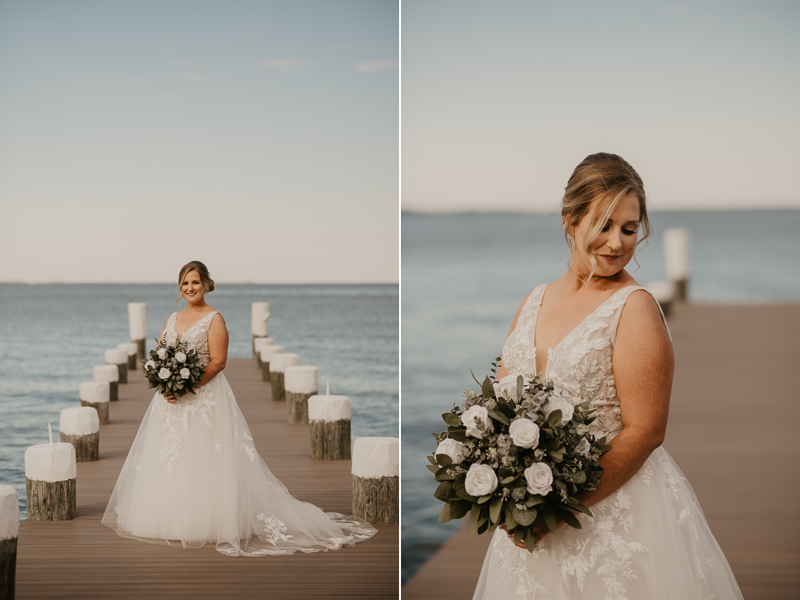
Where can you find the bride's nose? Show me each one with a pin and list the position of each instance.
(614, 240)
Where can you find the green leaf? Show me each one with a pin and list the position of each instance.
(575, 505)
(519, 386)
(487, 389)
(519, 533)
(557, 456)
(495, 508)
(576, 477)
(549, 518)
(459, 434)
(475, 378)
(432, 460)
(484, 499)
(432, 468)
(451, 419)
(499, 416)
(474, 515)
(443, 491)
(534, 500)
(448, 472)
(511, 523)
(459, 508)
(523, 516)
(554, 418)
(444, 515)
(530, 540)
(444, 460)
(568, 518)
(507, 480)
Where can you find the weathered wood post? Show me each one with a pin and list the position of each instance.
(50, 480)
(277, 367)
(137, 324)
(120, 359)
(664, 293)
(9, 532)
(96, 394)
(109, 373)
(676, 258)
(259, 321)
(300, 384)
(376, 479)
(265, 356)
(132, 350)
(329, 425)
(258, 344)
(80, 426)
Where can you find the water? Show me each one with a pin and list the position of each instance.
(51, 336)
(465, 275)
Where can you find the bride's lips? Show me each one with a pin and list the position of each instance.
(609, 257)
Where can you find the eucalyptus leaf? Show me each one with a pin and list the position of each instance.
(474, 515)
(524, 517)
(444, 515)
(459, 508)
(443, 491)
(444, 460)
(487, 389)
(451, 419)
(495, 508)
(568, 518)
(498, 415)
(554, 418)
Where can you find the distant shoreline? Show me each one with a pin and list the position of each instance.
(545, 213)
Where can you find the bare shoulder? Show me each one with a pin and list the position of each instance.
(641, 324)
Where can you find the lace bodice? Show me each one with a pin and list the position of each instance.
(581, 362)
(196, 335)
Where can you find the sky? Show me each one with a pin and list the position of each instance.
(501, 100)
(260, 137)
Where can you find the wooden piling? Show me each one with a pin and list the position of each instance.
(300, 383)
(277, 366)
(329, 427)
(50, 481)
(376, 479)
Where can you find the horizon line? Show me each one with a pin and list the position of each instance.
(521, 211)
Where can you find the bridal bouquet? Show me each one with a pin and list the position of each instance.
(173, 367)
(518, 450)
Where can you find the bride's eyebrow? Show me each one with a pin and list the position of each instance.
(632, 222)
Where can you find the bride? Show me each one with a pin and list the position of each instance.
(596, 333)
(193, 475)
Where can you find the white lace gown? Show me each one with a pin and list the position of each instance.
(649, 539)
(193, 477)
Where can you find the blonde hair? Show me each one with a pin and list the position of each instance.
(604, 179)
(202, 270)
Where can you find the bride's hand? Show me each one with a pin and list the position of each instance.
(170, 397)
(540, 531)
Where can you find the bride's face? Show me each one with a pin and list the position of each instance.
(192, 287)
(613, 247)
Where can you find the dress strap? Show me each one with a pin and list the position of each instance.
(623, 299)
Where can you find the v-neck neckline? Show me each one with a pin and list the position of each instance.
(573, 330)
(175, 325)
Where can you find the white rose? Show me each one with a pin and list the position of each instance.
(180, 357)
(583, 447)
(540, 479)
(481, 480)
(507, 387)
(455, 450)
(149, 365)
(164, 373)
(524, 433)
(162, 353)
(562, 404)
(469, 419)
(185, 373)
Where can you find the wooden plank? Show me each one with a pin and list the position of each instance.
(733, 424)
(84, 559)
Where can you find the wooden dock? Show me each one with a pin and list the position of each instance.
(733, 429)
(84, 559)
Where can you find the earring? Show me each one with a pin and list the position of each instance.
(569, 241)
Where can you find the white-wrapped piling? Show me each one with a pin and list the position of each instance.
(258, 344)
(109, 373)
(265, 356)
(278, 363)
(259, 321)
(120, 359)
(676, 258)
(376, 479)
(329, 426)
(300, 383)
(50, 480)
(80, 426)
(96, 394)
(137, 323)
(132, 350)
(9, 532)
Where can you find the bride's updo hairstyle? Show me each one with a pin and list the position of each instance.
(202, 270)
(604, 179)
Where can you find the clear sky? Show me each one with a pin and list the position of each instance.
(260, 137)
(501, 100)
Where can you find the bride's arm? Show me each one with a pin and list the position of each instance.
(217, 349)
(501, 369)
(643, 364)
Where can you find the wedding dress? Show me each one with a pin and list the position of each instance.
(649, 539)
(193, 476)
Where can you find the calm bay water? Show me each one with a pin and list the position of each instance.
(465, 275)
(51, 336)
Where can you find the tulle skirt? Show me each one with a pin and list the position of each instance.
(647, 540)
(193, 477)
